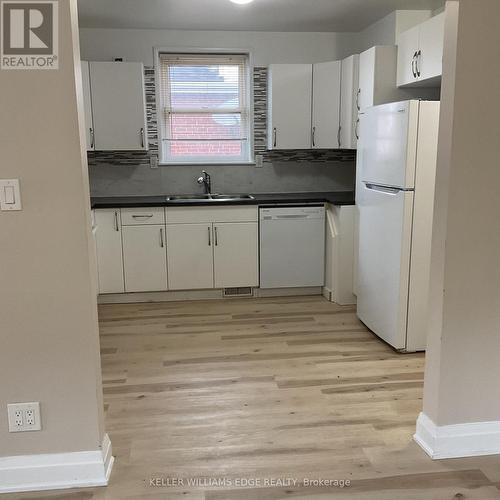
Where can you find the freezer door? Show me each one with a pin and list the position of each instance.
(388, 142)
(384, 261)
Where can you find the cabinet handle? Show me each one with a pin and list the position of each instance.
(314, 137)
(275, 136)
(142, 138)
(162, 242)
(216, 236)
(413, 63)
(417, 61)
(148, 216)
(338, 135)
(116, 221)
(357, 100)
(92, 138)
(356, 128)
(209, 237)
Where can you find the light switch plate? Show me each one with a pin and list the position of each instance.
(10, 195)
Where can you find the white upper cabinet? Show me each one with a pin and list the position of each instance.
(304, 105)
(377, 76)
(430, 61)
(118, 106)
(326, 105)
(87, 103)
(407, 56)
(420, 53)
(289, 106)
(349, 105)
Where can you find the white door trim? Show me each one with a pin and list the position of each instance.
(57, 470)
(459, 440)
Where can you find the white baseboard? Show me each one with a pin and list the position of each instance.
(167, 296)
(57, 470)
(459, 440)
(327, 293)
(287, 292)
(174, 295)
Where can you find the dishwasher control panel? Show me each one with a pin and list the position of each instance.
(276, 213)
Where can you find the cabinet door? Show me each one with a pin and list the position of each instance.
(349, 105)
(408, 46)
(377, 77)
(144, 258)
(289, 106)
(430, 60)
(236, 254)
(87, 106)
(109, 251)
(366, 78)
(326, 105)
(190, 256)
(118, 106)
(356, 251)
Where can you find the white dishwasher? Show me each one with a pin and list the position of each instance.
(292, 246)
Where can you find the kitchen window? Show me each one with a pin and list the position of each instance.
(204, 108)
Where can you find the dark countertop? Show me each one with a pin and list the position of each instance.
(335, 198)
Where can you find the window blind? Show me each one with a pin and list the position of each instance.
(204, 108)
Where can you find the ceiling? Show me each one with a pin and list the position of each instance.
(261, 15)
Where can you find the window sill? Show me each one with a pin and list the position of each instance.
(205, 164)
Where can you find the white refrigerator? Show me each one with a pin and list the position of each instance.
(395, 197)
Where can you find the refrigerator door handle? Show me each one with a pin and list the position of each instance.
(382, 189)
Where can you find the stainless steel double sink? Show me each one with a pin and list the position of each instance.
(209, 197)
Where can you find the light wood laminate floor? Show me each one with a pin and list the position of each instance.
(265, 389)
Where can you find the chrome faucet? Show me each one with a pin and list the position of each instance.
(206, 180)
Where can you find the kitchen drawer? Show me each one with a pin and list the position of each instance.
(207, 214)
(141, 216)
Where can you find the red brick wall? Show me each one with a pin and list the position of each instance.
(196, 126)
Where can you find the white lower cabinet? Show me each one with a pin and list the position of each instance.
(339, 268)
(236, 250)
(144, 258)
(108, 238)
(190, 261)
(191, 248)
(212, 247)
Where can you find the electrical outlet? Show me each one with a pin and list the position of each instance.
(30, 417)
(24, 417)
(18, 419)
(259, 161)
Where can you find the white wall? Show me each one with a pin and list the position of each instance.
(48, 313)
(462, 367)
(380, 33)
(386, 30)
(101, 44)
(266, 47)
